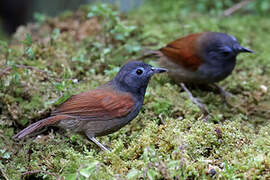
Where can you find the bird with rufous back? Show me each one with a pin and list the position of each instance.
(104, 110)
(200, 58)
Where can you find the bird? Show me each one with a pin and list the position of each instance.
(103, 110)
(200, 58)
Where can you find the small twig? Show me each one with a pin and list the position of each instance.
(40, 171)
(25, 67)
(3, 174)
(4, 71)
(30, 67)
(33, 68)
(236, 7)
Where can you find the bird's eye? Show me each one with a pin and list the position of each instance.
(139, 71)
(225, 53)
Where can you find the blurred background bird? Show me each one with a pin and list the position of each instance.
(104, 110)
(202, 58)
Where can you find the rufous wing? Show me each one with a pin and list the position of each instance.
(184, 51)
(100, 104)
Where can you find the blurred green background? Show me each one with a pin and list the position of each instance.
(14, 13)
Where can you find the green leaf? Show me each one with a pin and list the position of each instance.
(39, 17)
(29, 52)
(86, 172)
(70, 176)
(6, 155)
(152, 174)
(133, 174)
(28, 40)
(55, 33)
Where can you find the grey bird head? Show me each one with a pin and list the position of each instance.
(134, 76)
(221, 47)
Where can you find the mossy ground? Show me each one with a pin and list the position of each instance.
(168, 139)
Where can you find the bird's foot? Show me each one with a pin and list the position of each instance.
(226, 96)
(93, 139)
(196, 101)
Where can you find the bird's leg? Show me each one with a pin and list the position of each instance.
(195, 101)
(225, 94)
(98, 143)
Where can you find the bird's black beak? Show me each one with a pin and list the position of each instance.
(158, 70)
(245, 50)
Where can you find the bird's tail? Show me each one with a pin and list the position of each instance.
(37, 125)
(149, 54)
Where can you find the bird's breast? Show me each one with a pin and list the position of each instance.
(211, 73)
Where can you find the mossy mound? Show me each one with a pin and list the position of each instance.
(48, 61)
